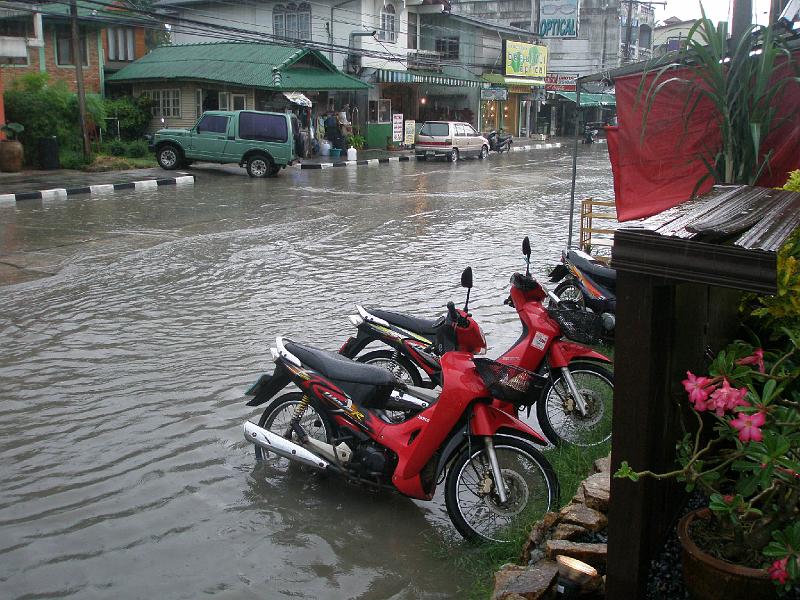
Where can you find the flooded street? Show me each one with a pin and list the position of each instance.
(124, 470)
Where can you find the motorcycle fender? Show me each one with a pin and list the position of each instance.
(268, 385)
(354, 345)
(487, 420)
(561, 352)
(558, 273)
(450, 449)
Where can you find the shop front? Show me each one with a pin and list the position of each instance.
(510, 103)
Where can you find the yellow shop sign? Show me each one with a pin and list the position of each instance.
(524, 60)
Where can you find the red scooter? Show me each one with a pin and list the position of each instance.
(496, 482)
(574, 404)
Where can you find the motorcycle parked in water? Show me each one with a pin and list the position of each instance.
(499, 142)
(496, 480)
(588, 283)
(574, 405)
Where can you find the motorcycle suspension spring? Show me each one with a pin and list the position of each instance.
(300, 410)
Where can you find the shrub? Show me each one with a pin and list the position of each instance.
(72, 159)
(133, 114)
(116, 148)
(137, 149)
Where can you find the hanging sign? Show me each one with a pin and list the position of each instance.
(410, 133)
(558, 18)
(494, 93)
(524, 60)
(397, 127)
(560, 82)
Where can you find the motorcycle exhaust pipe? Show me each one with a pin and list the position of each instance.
(272, 442)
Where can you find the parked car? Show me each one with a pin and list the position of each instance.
(451, 140)
(261, 142)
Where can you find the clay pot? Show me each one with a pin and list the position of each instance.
(11, 156)
(708, 578)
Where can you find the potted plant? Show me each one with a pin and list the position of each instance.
(744, 457)
(11, 151)
(356, 141)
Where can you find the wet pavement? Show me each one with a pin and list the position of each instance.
(131, 324)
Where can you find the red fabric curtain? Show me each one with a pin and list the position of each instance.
(661, 169)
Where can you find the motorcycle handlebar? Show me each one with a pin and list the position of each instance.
(455, 317)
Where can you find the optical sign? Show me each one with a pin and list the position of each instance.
(558, 18)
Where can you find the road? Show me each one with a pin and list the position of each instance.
(125, 474)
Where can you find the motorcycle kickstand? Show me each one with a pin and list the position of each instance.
(573, 388)
(496, 472)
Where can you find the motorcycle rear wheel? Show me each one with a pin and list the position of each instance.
(471, 497)
(278, 414)
(401, 367)
(569, 290)
(559, 416)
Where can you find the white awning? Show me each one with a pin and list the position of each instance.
(297, 98)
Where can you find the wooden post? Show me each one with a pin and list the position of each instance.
(77, 58)
(742, 18)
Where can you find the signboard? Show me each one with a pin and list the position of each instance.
(397, 127)
(410, 133)
(560, 82)
(558, 18)
(524, 60)
(494, 93)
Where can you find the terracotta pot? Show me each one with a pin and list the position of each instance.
(11, 156)
(708, 578)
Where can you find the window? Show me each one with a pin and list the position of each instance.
(166, 103)
(292, 21)
(388, 31)
(435, 129)
(412, 31)
(265, 128)
(64, 47)
(447, 47)
(223, 100)
(213, 124)
(238, 101)
(121, 43)
(379, 111)
(198, 102)
(460, 131)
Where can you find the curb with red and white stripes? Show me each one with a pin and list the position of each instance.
(102, 188)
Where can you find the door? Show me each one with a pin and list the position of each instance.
(209, 138)
(475, 141)
(460, 139)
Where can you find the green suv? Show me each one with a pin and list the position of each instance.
(262, 142)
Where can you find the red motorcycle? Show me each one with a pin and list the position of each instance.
(574, 406)
(497, 481)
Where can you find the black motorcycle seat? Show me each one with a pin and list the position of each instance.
(415, 324)
(594, 269)
(338, 368)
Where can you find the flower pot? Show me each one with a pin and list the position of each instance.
(708, 578)
(11, 156)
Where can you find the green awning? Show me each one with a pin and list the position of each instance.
(590, 100)
(418, 76)
(244, 64)
(499, 79)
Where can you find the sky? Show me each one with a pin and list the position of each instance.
(716, 10)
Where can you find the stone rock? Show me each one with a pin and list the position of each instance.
(588, 518)
(567, 531)
(593, 554)
(597, 491)
(603, 465)
(579, 496)
(536, 556)
(526, 583)
(539, 532)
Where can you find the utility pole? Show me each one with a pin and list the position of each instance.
(775, 9)
(629, 27)
(742, 17)
(77, 58)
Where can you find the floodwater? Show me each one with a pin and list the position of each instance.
(124, 471)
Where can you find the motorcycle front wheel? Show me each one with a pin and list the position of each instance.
(279, 412)
(559, 415)
(569, 290)
(471, 495)
(399, 366)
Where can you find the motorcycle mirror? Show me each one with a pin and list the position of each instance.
(526, 250)
(466, 281)
(466, 278)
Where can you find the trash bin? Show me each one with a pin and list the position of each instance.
(48, 153)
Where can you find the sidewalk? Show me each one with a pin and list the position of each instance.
(35, 185)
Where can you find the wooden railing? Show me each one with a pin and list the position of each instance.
(596, 238)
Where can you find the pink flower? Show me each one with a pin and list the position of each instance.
(756, 358)
(726, 398)
(778, 572)
(748, 426)
(698, 389)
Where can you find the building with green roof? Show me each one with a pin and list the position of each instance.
(187, 79)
